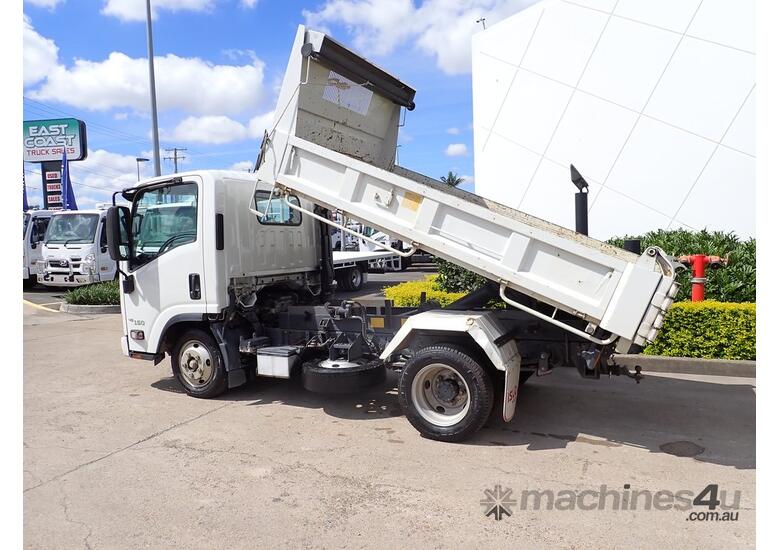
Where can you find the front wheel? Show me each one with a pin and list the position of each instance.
(197, 364)
(444, 393)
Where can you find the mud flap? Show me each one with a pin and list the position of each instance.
(511, 385)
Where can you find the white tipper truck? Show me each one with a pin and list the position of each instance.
(75, 250)
(245, 289)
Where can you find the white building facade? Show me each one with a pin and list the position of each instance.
(652, 101)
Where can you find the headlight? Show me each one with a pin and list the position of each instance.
(88, 264)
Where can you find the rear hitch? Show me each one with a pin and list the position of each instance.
(636, 375)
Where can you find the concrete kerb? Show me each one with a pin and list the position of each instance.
(86, 309)
(688, 365)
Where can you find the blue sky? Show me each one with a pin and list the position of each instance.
(219, 64)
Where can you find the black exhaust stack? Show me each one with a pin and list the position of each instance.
(580, 201)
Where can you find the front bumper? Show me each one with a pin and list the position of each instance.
(64, 279)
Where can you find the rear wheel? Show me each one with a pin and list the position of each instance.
(197, 364)
(445, 394)
(351, 278)
(30, 281)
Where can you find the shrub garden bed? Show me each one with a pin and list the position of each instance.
(98, 294)
(700, 330)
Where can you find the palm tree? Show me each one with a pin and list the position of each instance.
(452, 179)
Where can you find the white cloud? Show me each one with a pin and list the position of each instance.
(243, 166)
(441, 28)
(376, 25)
(453, 131)
(39, 54)
(467, 179)
(218, 129)
(190, 84)
(236, 54)
(120, 116)
(49, 4)
(103, 172)
(259, 124)
(249, 3)
(135, 10)
(213, 129)
(456, 150)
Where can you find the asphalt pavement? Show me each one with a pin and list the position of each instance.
(117, 456)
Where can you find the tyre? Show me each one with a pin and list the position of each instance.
(340, 284)
(444, 393)
(30, 281)
(197, 364)
(337, 379)
(352, 278)
(406, 263)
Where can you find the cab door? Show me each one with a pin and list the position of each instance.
(166, 261)
(35, 244)
(105, 266)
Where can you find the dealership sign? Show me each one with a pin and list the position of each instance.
(45, 140)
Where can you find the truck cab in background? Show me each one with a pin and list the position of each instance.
(75, 250)
(35, 224)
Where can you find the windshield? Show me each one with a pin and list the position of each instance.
(72, 229)
(163, 218)
(26, 221)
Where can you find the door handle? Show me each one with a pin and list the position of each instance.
(194, 286)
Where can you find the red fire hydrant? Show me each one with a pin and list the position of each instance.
(699, 263)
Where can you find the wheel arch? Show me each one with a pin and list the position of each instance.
(477, 330)
(176, 326)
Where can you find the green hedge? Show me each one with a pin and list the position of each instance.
(734, 283)
(453, 278)
(408, 294)
(707, 330)
(97, 294)
(703, 330)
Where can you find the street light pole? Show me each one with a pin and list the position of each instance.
(138, 161)
(152, 89)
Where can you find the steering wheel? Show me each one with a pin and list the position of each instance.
(173, 239)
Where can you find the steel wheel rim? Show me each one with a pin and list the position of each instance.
(440, 395)
(196, 364)
(355, 277)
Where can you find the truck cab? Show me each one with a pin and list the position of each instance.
(35, 223)
(192, 251)
(75, 250)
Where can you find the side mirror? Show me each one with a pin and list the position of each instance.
(118, 233)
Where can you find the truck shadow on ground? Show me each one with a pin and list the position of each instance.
(709, 421)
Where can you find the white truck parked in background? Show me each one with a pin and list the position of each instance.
(35, 224)
(75, 250)
(248, 291)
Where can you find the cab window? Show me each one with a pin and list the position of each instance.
(38, 229)
(164, 218)
(275, 211)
